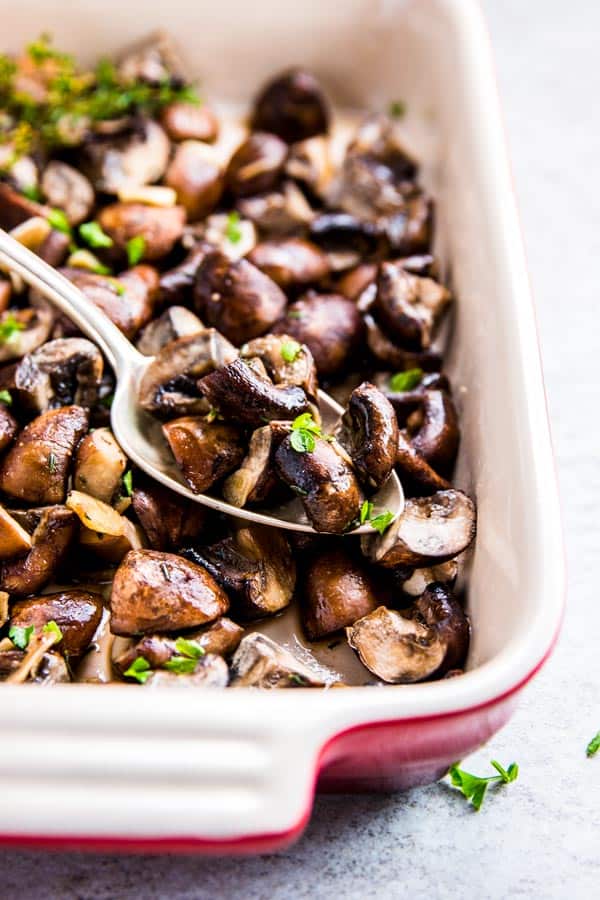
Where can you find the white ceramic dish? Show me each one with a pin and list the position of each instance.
(124, 767)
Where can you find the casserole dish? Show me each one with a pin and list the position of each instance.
(236, 771)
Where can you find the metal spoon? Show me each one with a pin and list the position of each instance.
(138, 433)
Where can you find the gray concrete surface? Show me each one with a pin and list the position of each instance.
(540, 838)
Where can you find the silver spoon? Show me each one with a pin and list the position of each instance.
(138, 433)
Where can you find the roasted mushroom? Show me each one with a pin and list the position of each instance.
(99, 465)
(286, 211)
(8, 427)
(436, 436)
(189, 122)
(155, 591)
(394, 357)
(177, 284)
(103, 532)
(159, 228)
(204, 450)
(128, 300)
(131, 156)
(175, 322)
(408, 307)
(417, 475)
(420, 579)
(15, 208)
(66, 188)
(431, 530)
(168, 520)
(26, 330)
(36, 467)
(59, 373)
(337, 591)
(77, 614)
(14, 539)
(262, 663)
(345, 239)
(256, 480)
(241, 395)
(324, 481)
(257, 165)
(287, 362)
(209, 671)
(310, 163)
(369, 433)
(291, 106)
(290, 262)
(53, 530)
(195, 175)
(236, 297)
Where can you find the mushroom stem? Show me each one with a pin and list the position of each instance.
(35, 651)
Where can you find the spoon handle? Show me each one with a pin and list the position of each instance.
(63, 293)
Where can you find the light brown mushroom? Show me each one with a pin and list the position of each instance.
(14, 539)
(29, 329)
(131, 156)
(127, 300)
(189, 122)
(256, 480)
(175, 322)
(281, 212)
(257, 164)
(195, 175)
(338, 590)
(159, 227)
(167, 518)
(68, 189)
(210, 671)
(99, 465)
(8, 427)
(53, 529)
(204, 450)
(290, 262)
(287, 362)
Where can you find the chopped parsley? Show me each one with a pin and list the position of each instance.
(119, 288)
(297, 679)
(52, 628)
(136, 247)
(383, 521)
(52, 462)
(233, 232)
(58, 220)
(32, 192)
(406, 381)
(20, 636)
(304, 433)
(128, 482)
(366, 511)
(593, 746)
(94, 236)
(295, 313)
(139, 669)
(474, 788)
(290, 351)
(191, 649)
(5, 397)
(181, 665)
(9, 327)
(397, 109)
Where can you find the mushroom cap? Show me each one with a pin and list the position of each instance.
(60, 372)
(52, 536)
(292, 106)
(257, 164)
(77, 613)
(408, 307)
(290, 261)
(338, 590)
(369, 433)
(205, 451)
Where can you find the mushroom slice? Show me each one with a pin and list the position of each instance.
(409, 307)
(418, 476)
(29, 328)
(127, 300)
(420, 579)
(8, 427)
(154, 591)
(167, 518)
(337, 591)
(14, 540)
(104, 531)
(99, 465)
(128, 158)
(438, 609)
(52, 669)
(437, 436)
(397, 650)
(290, 261)
(174, 323)
(211, 671)
(189, 122)
(204, 450)
(222, 637)
(331, 327)
(287, 362)
(282, 212)
(168, 386)
(236, 297)
(354, 282)
(257, 164)
(36, 467)
(77, 614)
(291, 106)
(369, 433)
(160, 227)
(68, 189)
(51, 539)
(256, 480)
(255, 567)
(177, 284)
(431, 530)
(241, 395)
(60, 372)
(195, 175)
(262, 663)
(325, 482)
(386, 352)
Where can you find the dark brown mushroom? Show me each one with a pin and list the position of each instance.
(15, 208)
(54, 250)
(257, 165)
(430, 530)
(410, 231)
(240, 394)
(99, 465)
(345, 239)
(68, 189)
(5, 293)
(36, 467)
(129, 156)
(53, 531)
(325, 483)
(369, 433)
(255, 567)
(160, 227)
(196, 177)
(8, 427)
(204, 450)
(309, 162)
(177, 284)
(337, 591)
(169, 384)
(417, 475)
(331, 327)
(189, 122)
(353, 283)
(290, 262)
(393, 357)
(59, 373)
(174, 323)
(14, 539)
(77, 614)
(291, 106)
(287, 362)
(31, 330)
(155, 591)
(408, 307)
(262, 663)
(128, 301)
(436, 435)
(256, 480)
(167, 519)
(236, 297)
(286, 211)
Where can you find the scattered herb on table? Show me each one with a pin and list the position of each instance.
(474, 787)
(593, 746)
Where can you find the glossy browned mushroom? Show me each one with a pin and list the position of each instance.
(189, 122)
(309, 162)
(236, 297)
(177, 284)
(155, 591)
(439, 609)
(393, 357)
(174, 323)
(291, 106)
(281, 212)
(196, 177)
(53, 529)
(59, 373)
(128, 300)
(168, 520)
(257, 165)
(337, 591)
(345, 239)
(77, 613)
(408, 307)
(287, 362)
(256, 481)
(430, 530)
(8, 427)
(36, 467)
(325, 483)
(15, 208)
(436, 435)
(68, 189)
(14, 539)
(369, 433)
(417, 475)
(290, 262)
(159, 227)
(204, 450)
(331, 327)
(29, 329)
(240, 394)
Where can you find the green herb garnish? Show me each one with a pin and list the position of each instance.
(9, 327)
(119, 288)
(52, 628)
(32, 192)
(383, 521)
(189, 648)
(290, 351)
(128, 482)
(58, 220)
(304, 433)
(593, 746)
(397, 109)
(406, 381)
(366, 511)
(139, 669)
(136, 247)
(181, 665)
(5, 397)
(52, 462)
(92, 234)
(233, 232)
(20, 636)
(474, 788)
(297, 679)
(295, 314)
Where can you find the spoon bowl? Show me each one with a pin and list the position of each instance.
(138, 433)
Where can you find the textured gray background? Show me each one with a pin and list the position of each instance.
(540, 838)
